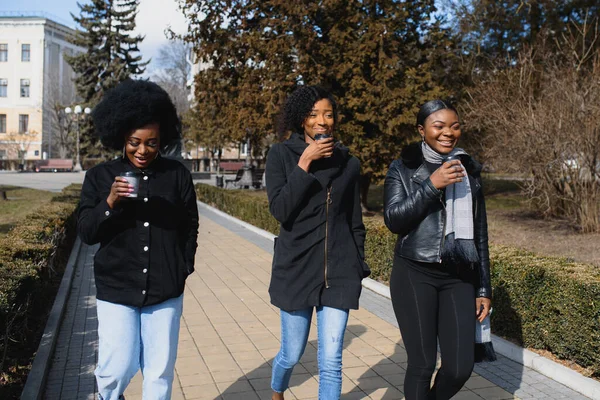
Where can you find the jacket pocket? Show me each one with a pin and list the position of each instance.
(364, 269)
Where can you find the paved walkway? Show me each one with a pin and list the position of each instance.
(229, 336)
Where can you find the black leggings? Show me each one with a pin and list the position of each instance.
(430, 305)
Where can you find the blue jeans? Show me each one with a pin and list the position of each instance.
(131, 338)
(295, 326)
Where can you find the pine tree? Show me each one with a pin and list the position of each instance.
(112, 56)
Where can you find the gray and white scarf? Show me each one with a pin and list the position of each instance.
(459, 245)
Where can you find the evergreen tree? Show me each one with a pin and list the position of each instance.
(112, 56)
(380, 58)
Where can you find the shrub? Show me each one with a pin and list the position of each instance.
(240, 204)
(29, 271)
(544, 303)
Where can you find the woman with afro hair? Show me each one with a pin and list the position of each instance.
(147, 243)
(312, 185)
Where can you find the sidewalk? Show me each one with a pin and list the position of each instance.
(229, 336)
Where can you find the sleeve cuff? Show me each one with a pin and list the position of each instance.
(432, 190)
(484, 292)
(302, 175)
(107, 212)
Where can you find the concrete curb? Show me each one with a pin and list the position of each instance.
(36, 380)
(258, 231)
(566, 376)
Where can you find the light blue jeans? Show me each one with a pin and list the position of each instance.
(131, 338)
(295, 326)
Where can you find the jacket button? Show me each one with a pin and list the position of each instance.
(143, 292)
(145, 177)
(146, 224)
(145, 270)
(107, 213)
(145, 199)
(145, 248)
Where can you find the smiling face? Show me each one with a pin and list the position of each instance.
(141, 146)
(320, 120)
(441, 131)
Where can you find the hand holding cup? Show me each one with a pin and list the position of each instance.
(450, 172)
(124, 186)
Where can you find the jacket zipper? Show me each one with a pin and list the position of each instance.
(327, 203)
(443, 232)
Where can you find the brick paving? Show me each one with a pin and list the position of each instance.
(229, 336)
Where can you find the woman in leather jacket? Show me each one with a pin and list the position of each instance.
(440, 281)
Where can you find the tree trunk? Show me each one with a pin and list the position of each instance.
(2, 195)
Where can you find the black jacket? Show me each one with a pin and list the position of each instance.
(319, 254)
(148, 244)
(413, 209)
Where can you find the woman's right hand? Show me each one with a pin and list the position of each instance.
(118, 190)
(450, 172)
(316, 150)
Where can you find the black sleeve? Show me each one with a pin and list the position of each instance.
(404, 211)
(481, 241)
(188, 194)
(358, 227)
(285, 192)
(95, 215)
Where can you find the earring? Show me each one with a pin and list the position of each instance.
(124, 155)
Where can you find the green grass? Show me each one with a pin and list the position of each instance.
(21, 201)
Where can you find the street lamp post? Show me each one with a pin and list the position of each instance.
(77, 110)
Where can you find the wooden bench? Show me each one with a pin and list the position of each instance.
(257, 178)
(55, 165)
(238, 177)
(231, 166)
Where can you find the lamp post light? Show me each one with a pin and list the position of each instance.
(77, 110)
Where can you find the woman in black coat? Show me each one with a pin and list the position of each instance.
(313, 192)
(147, 239)
(440, 281)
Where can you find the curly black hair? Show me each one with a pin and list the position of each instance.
(298, 106)
(131, 105)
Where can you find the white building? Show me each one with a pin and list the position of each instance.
(34, 79)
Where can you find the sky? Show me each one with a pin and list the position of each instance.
(154, 16)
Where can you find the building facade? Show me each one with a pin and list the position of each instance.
(36, 83)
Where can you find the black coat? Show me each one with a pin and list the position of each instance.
(414, 209)
(319, 254)
(148, 244)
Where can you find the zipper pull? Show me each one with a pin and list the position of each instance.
(329, 201)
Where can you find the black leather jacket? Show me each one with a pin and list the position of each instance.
(414, 210)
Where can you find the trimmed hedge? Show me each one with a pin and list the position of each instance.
(544, 303)
(29, 269)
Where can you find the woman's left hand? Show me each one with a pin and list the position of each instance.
(482, 307)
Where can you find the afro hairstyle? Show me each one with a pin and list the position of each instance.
(298, 106)
(131, 105)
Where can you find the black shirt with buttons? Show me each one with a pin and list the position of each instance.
(147, 244)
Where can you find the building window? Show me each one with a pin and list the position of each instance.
(23, 123)
(3, 52)
(2, 123)
(244, 150)
(25, 52)
(24, 87)
(3, 155)
(3, 87)
(37, 152)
